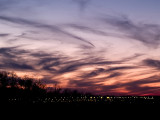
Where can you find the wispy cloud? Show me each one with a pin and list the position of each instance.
(152, 63)
(147, 33)
(115, 74)
(4, 35)
(110, 72)
(9, 56)
(56, 65)
(138, 88)
(85, 28)
(87, 62)
(51, 28)
(92, 66)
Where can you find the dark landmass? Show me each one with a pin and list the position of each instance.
(30, 92)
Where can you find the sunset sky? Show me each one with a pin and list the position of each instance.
(106, 47)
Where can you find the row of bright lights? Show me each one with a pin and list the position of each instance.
(56, 99)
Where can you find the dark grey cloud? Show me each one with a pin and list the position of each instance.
(133, 87)
(11, 52)
(40, 54)
(152, 63)
(6, 52)
(88, 62)
(89, 29)
(85, 47)
(61, 64)
(46, 60)
(52, 28)
(4, 35)
(120, 68)
(110, 72)
(49, 66)
(49, 61)
(146, 33)
(15, 65)
(13, 57)
(115, 74)
(100, 71)
(10, 58)
(88, 81)
(94, 73)
(136, 86)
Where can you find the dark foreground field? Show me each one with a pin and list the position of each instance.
(79, 111)
(26, 97)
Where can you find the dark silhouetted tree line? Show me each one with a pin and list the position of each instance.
(23, 89)
(27, 90)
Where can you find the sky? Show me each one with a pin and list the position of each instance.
(105, 47)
